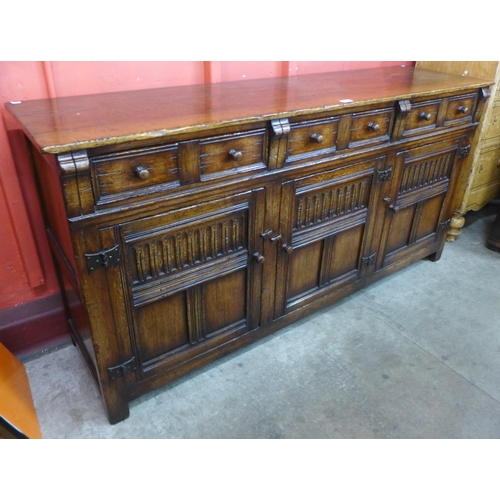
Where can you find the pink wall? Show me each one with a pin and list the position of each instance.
(26, 271)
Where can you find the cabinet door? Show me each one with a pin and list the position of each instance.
(192, 280)
(416, 210)
(326, 227)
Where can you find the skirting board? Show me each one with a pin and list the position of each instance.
(34, 328)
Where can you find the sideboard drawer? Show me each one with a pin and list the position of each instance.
(312, 137)
(371, 127)
(136, 170)
(460, 109)
(422, 118)
(228, 154)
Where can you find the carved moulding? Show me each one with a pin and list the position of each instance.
(76, 182)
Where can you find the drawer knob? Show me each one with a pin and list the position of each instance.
(463, 109)
(260, 259)
(288, 249)
(318, 138)
(276, 238)
(142, 172)
(425, 116)
(235, 154)
(374, 126)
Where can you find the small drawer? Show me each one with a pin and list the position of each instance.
(118, 173)
(421, 118)
(233, 153)
(460, 109)
(370, 128)
(312, 138)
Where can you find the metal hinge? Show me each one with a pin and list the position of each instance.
(119, 371)
(464, 151)
(384, 175)
(368, 261)
(105, 258)
(444, 225)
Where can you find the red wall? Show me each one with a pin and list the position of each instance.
(26, 271)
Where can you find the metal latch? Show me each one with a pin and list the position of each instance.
(105, 258)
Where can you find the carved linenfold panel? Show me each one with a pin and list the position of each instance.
(321, 206)
(174, 251)
(429, 171)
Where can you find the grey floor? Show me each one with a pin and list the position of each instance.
(416, 355)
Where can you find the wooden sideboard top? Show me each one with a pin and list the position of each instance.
(88, 121)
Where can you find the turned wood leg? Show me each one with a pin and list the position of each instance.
(456, 223)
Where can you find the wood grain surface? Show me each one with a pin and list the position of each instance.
(69, 123)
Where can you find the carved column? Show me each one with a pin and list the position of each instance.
(278, 149)
(78, 193)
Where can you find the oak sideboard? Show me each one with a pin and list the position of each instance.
(187, 222)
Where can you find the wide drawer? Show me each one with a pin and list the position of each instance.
(121, 175)
(426, 116)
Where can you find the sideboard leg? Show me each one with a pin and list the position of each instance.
(115, 403)
(436, 255)
(456, 223)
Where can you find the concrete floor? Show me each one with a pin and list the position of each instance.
(413, 356)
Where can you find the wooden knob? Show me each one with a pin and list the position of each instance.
(235, 154)
(463, 109)
(425, 116)
(394, 208)
(374, 126)
(142, 172)
(287, 249)
(260, 259)
(317, 138)
(276, 238)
